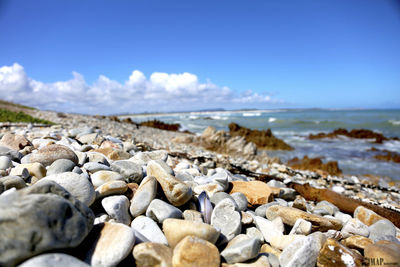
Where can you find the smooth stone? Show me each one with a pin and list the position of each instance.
(12, 182)
(112, 242)
(256, 192)
(288, 194)
(240, 249)
(302, 252)
(143, 196)
(145, 157)
(35, 169)
(175, 230)
(265, 248)
(343, 217)
(48, 154)
(177, 193)
(268, 228)
(260, 211)
(210, 189)
(159, 210)
(328, 207)
(20, 171)
(90, 138)
(14, 141)
(5, 162)
(101, 177)
(40, 218)
(382, 230)
(77, 185)
(54, 259)
(275, 183)
(290, 215)
(149, 229)
(335, 254)
(218, 196)
(60, 166)
(253, 232)
(94, 167)
(357, 242)
(282, 242)
(300, 203)
(246, 217)
(383, 252)
(354, 227)
(192, 215)
(132, 172)
(301, 227)
(111, 188)
(227, 219)
(240, 200)
(194, 251)
(152, 254)
(97, 157)
(12, 154)
(82, 157)
(367, 216)
(117, 207)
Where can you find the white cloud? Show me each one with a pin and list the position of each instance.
(160, 92)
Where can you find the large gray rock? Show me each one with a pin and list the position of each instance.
(227, 219)
(144, 195)
(382, 230)
(132, 172)
(54, 259)
(12, 181)
(78, 185)
(48, 154)
(40, 218)
(12, 154)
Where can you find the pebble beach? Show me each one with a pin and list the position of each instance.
(100, 191)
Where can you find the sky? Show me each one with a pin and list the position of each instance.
(112, 57)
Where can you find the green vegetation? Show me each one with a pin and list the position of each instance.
(3, 102)
(11, 116)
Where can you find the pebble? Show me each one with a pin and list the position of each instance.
(343, 217)
(256, 192)
(60, 166)
(20, 171)
(176, 192)
(354, 227)
(14, 141)
(240, 249)
(240, 200)
(101, 177)
(290, 215)
(5, 162)
(143, 196)
(35, 169)
(335, 254)
(117, 208)
(327, 207)
(112, 242)
(382, 230)
(54, 259)
(366, 216)
(255, 233)
(194, 251)
(301, 252)
(8, 182)
(94, 167)
(192, 215)
(281, 242)
(132, 172)
(267, 228)
(218, 196)
(12, 154)
(77, 185)
(35, 221)
(111, 188)
(152, 254)
(48, 154)
(301, 227)
(175, 230)
(159, 210)
(357, 242)
(227, 219)
(149, 229)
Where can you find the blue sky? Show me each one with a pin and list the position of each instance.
(132, 56)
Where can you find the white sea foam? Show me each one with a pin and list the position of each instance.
(394, 122)
(251, 114)
(271, 119)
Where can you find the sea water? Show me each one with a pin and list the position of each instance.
(294, 127)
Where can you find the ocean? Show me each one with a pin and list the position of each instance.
(294, 126)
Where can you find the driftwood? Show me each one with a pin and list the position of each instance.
(345, 204)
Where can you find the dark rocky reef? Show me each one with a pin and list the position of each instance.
(386, 155)
(355, 133)
(315, 164)
(161, 125)
(262, 139)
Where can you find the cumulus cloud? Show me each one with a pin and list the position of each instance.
(160, 92)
